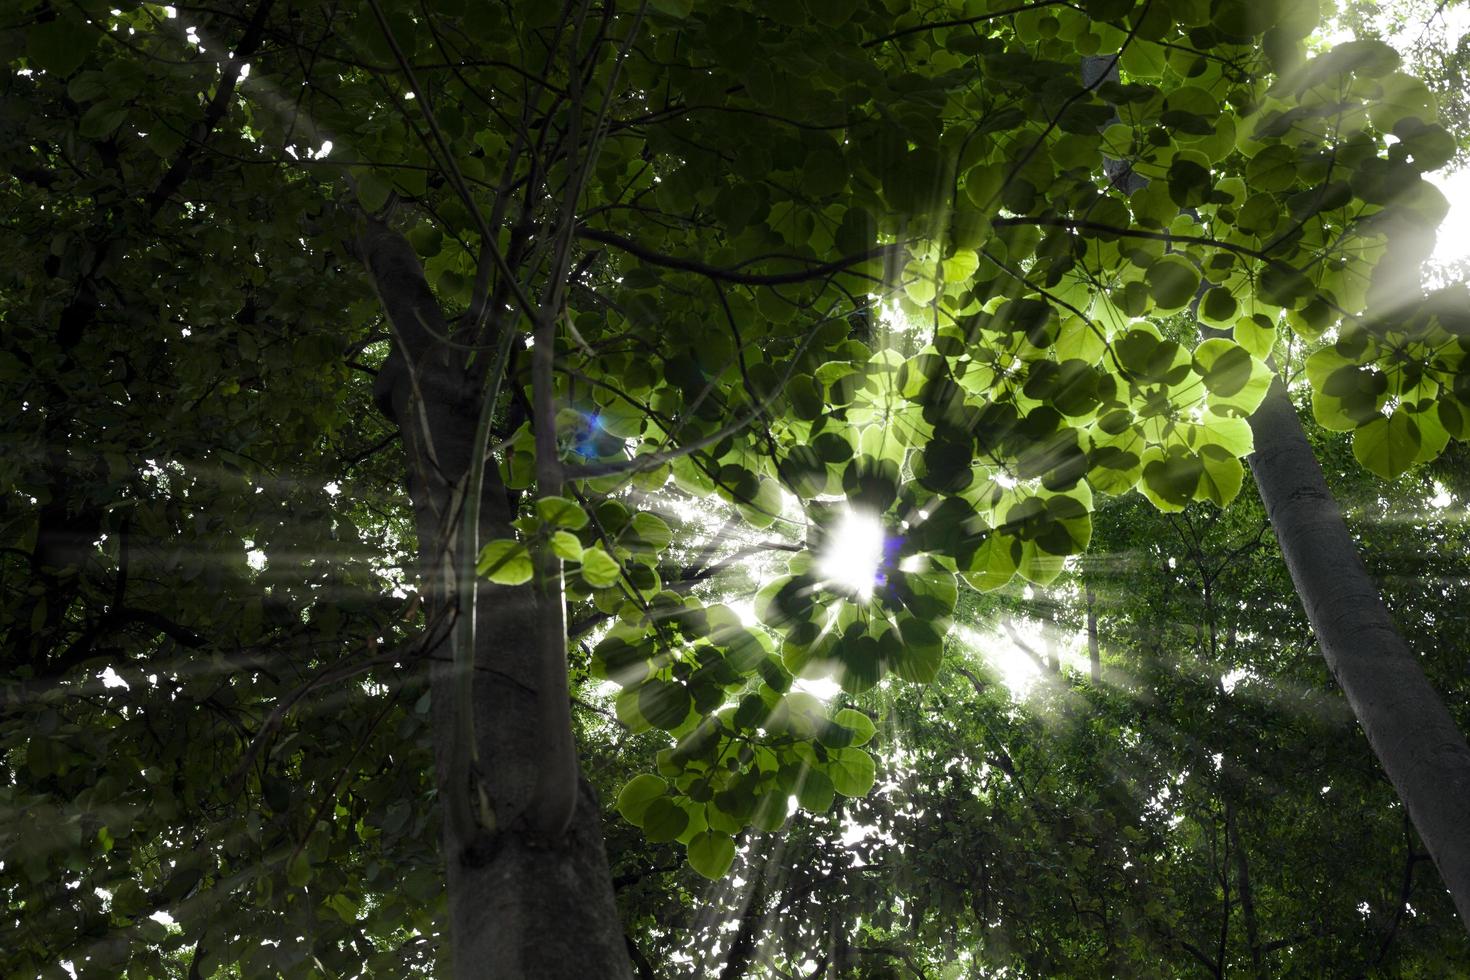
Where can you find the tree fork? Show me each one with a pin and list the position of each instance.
(516, 897)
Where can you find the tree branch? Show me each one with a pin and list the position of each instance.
(732, 274)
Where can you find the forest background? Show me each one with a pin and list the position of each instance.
(865, 581)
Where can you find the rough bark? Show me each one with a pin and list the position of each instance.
(519, 905)
(1408, 727)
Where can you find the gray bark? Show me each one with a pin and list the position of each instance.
(520, 905)
(1408, 727)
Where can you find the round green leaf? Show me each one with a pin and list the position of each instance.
(859, 724)
(1388, 446)
(60, 46)
(635, 797)
(561, 512)
(564, 545)
(852, 772)
(815, 791)
(664, 820)
(505, 561)
(1172, 280)
(711, 854)
(599, 569)
(664, 703)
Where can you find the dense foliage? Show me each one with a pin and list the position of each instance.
(1007, 278)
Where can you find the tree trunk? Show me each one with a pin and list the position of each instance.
(1411, 732)
(519, 906)
(1094, 655)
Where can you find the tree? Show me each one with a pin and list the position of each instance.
(610, 272)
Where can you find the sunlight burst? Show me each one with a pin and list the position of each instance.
(853, 556)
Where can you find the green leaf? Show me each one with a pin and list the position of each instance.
(1218, 307)
(1433, 435)
(505, 561)
(664, 703)
(815, 791)
(1222, 476)
(1170, 479)
(561, 512)
(60, 46)
(635, 797)
(664, 820)
(1388, 446)
(652, 530)
(298, 872)
(1172, 281)
(1226, 366)
(626, 705)
(859, 724)
(1256, 334)
(344, 906)
(771, 811)
(99, 121)
(1236, 381)
(372, 191)
(566, 546)
(1272, 169)
(852, 771)
(994, 563)
(599, 569)
(922, 651)
(711, 854)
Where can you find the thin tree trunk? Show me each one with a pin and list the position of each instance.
(1411, 732)
(520, 905)
(1094, 656)
(1243, 884)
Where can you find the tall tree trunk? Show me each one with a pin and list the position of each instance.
(520, 905)
(1411, 732)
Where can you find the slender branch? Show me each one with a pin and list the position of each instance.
(964, 21)
(733, 274)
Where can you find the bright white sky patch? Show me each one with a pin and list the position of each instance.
(1453, 242)
(854, 554)
(1233, 678)
(110, 678)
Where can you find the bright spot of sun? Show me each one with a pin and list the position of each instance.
(854, 554)
(824, 689)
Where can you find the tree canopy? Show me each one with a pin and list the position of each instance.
(386, 379)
